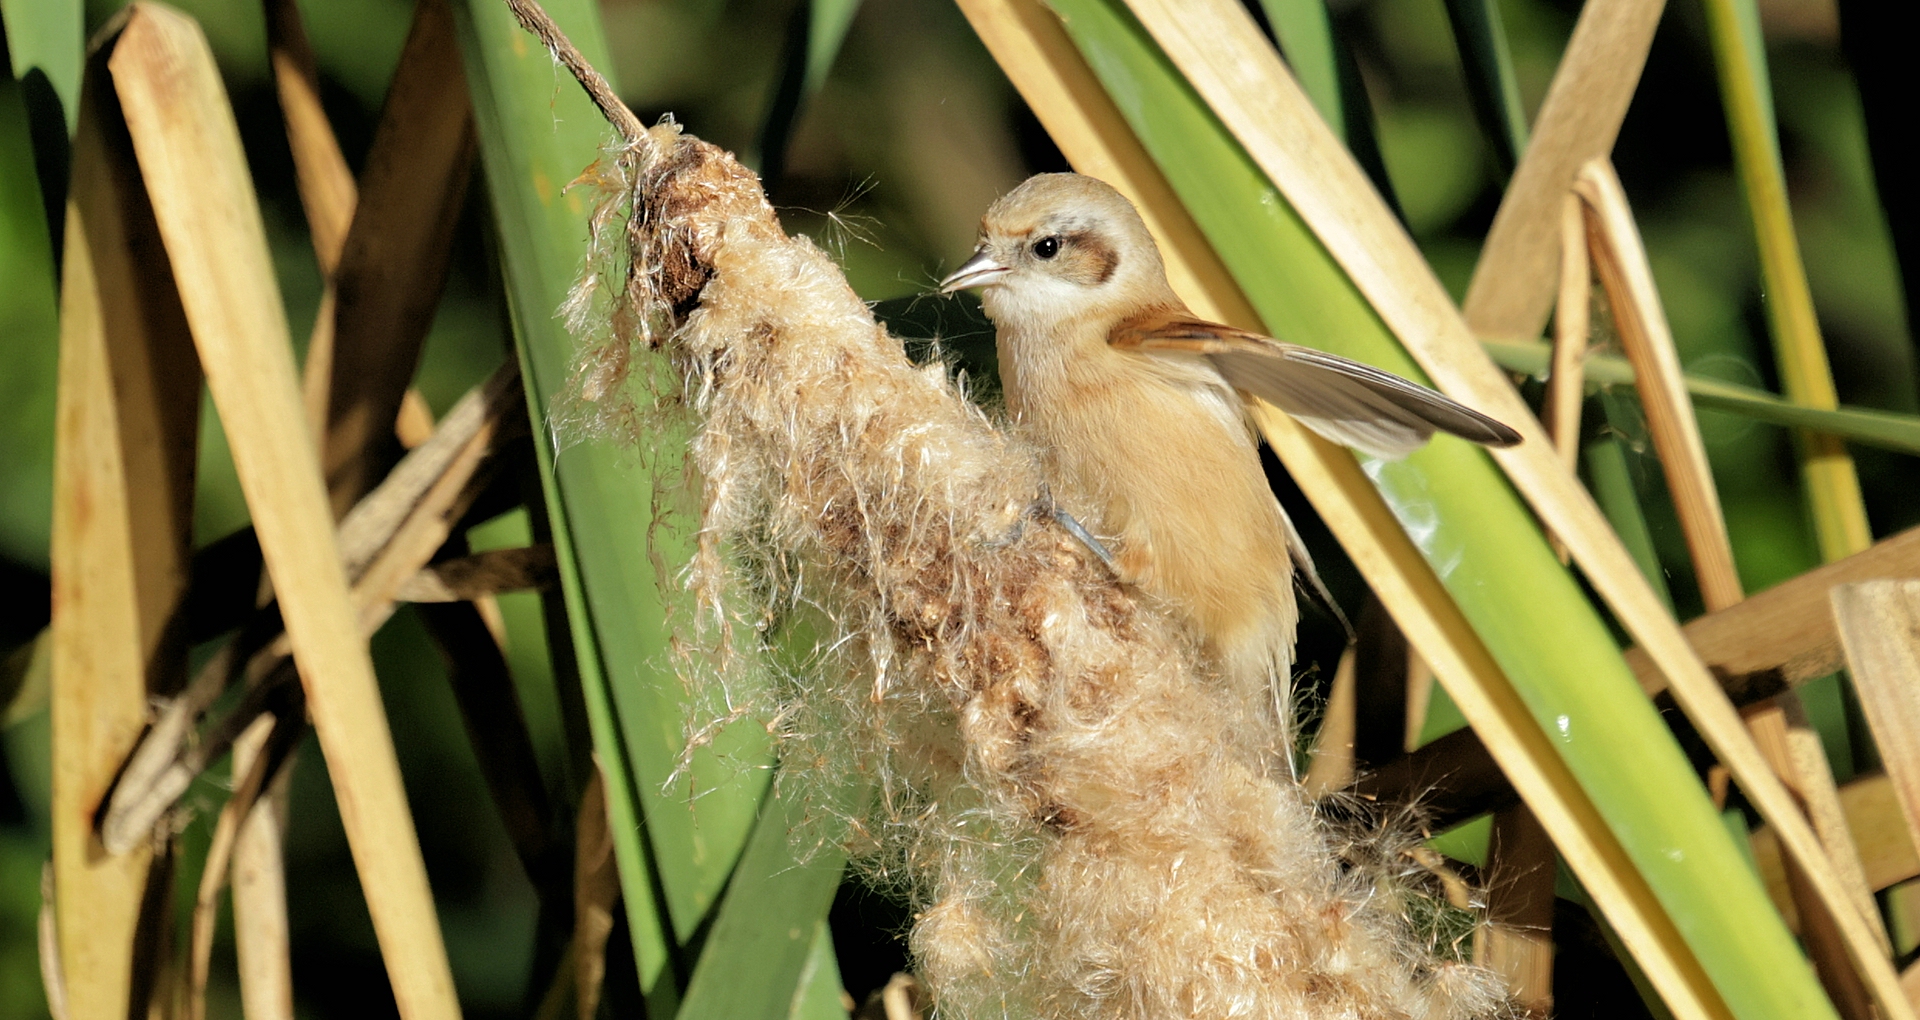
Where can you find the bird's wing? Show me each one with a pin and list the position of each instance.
(1345, 401)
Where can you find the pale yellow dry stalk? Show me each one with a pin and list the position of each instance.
(1088, 826)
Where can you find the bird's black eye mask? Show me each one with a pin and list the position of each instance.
(1081, 255)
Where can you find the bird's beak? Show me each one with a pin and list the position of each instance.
(978, 271)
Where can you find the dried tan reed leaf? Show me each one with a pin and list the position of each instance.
(414, 424)
(326, 185)
(1871, 806)
(393, 264)
(1330, 769)
(1620, 261)
(53, 978)
(1566, 383)
(387, 538)
(328, 194)
(1513, 283)
(1784, 636)
(1879, 624)
(1811, 781)
(262, 931)
(190, 157)
(596, 891)
(26, 679)
(1221, 52)
(256, 764)
(125, 436)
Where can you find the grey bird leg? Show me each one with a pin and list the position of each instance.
(1074, 527)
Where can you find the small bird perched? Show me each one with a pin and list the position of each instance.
(1138, 406)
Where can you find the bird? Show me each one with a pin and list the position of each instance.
(1139, 410)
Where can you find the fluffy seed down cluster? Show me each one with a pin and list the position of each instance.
(1086, 825)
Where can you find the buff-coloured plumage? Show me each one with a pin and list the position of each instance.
(1138, 407)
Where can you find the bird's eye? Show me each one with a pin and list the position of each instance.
(1046, 247)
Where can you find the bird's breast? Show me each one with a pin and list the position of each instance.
(1154, 456)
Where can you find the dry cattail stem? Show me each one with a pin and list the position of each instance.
(535, 19)
(1088, 825)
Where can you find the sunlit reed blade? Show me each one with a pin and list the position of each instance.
(1621, 263)
(1833, 486)
(1888, 854)
(127, 425)
(49, 36)
(1566, 377)
(1220, 52)
(327, 195)
(1433, 623)
(1878, 623)
(1776, 640)
(268, 740)
(1304, 31)
(768, 882)
(1566, 392)
(190, 157)
(325, 183)
(1513, 282)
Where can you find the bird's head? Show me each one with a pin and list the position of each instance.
(1062, 246)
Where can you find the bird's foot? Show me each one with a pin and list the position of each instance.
(1046, 507)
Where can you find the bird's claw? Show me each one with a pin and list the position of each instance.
(1045, 505)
